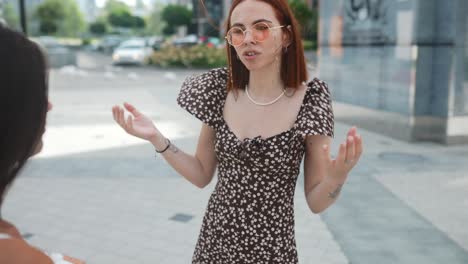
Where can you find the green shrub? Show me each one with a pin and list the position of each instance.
(199, 56)
(309, 44)
(86, 41)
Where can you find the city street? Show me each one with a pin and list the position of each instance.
(98, 194)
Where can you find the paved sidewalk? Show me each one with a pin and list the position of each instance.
(97, 194)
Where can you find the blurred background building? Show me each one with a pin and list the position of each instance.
(211, 24)
(399, 65)
(89, 9)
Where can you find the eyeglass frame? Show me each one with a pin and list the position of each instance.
(246, 30)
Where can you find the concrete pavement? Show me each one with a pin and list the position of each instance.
(97, 194)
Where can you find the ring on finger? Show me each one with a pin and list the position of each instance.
(348, 161)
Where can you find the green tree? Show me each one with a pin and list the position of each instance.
(98, 27)
(126, 20)
(50, 14)
(115, 6)
(307, 18)
(138, 22)
(175, 16)
(61, 17)
(120, 19)
(10, 16)
(119, 15)
(48, 27)
(73, 24)
(154, 21)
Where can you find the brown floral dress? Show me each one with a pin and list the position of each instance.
(250, 214)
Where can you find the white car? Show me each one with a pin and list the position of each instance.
(134, 51)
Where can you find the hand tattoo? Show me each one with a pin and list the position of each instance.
(336, 192)
(174, 149)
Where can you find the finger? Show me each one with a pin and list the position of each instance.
(124, 122)
(129, 123)
(341, 154)
(115, 114)
(326, 150)
(122, 118)
(358, 146)
(352, 131)
(132, 109)
(350, 149)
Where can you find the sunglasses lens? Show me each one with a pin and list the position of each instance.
(236, 36)
(261, 32)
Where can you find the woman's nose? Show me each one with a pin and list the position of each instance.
(248, 37)
(49, 106)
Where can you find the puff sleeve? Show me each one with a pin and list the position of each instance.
(202, 96)
(318, 117)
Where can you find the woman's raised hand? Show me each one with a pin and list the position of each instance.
(136, 124)
(348, 156)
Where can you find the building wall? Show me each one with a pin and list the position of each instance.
(406, 58)
(212, 25)
(89, 9)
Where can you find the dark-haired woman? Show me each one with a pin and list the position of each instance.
(260, 119)
(24, 106)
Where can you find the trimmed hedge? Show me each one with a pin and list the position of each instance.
(199, 56)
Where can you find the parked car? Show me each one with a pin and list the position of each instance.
(109, 43)
(187, 41)
(133, 51)
(58, 55)
(155, 42)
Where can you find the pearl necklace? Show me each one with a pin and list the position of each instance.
(262, 104)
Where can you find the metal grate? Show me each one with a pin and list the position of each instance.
(27, 235)
(183, 218)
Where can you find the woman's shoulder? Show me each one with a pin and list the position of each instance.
(214, 78)
(317, 85)
(15, 250)
(9, 229)
(202, 95)
(221, 73)
(204, 86)
(317, 117)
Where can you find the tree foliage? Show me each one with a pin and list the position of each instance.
(11, 18)
(73, 24)
(50, 13)
(120, 15)
(98, 27)
(175, 16)
(306, 17)
(61, 17)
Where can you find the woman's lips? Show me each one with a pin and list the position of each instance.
(251, 56)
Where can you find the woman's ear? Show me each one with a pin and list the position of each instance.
(287, 37)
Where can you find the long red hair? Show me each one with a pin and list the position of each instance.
(293, 66)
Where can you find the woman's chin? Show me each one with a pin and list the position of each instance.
(255, 65)
(252, 66)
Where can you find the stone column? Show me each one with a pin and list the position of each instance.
(399, 66)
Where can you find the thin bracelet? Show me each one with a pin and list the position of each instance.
(168, 145)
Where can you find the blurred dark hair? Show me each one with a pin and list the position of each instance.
(23, 107)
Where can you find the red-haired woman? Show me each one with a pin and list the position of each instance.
(260, 119)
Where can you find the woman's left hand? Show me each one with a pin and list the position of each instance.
(348, 155)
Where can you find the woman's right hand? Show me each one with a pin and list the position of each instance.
(73, 260)
(136, 124)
